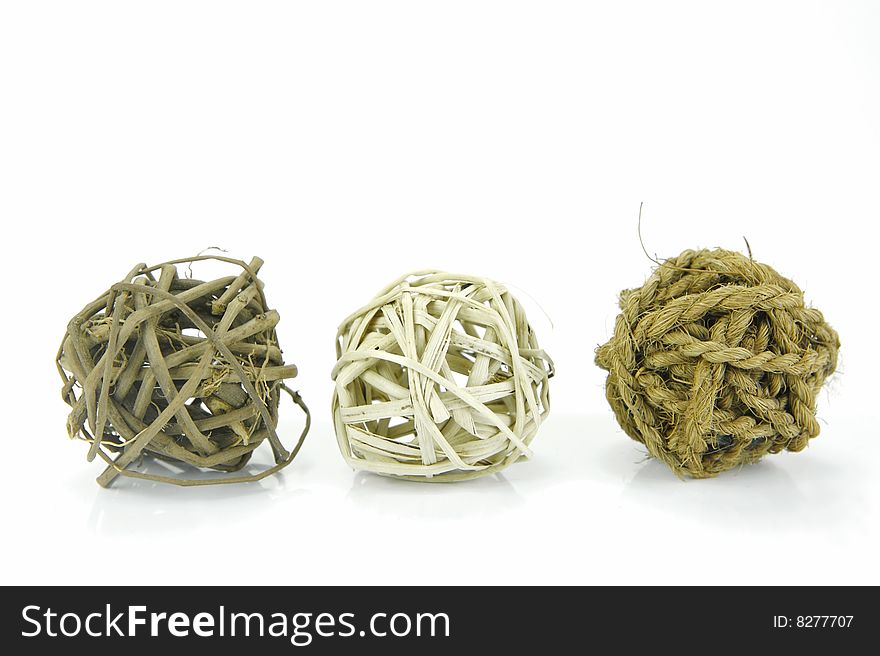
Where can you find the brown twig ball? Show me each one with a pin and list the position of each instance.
(183, 370)
(439, 378)
(716, 361)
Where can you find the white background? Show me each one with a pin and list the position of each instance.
(349, 142)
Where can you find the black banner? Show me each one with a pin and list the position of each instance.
(433, 620)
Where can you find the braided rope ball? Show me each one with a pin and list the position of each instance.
(716, 361)
(183, 370)
(440, 378)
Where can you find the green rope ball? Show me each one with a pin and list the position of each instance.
(716, 361)
(185, 371)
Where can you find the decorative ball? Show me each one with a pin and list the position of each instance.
(716, 361)
(185, 371)
(439, 378)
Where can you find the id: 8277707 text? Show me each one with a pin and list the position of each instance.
(813, 622)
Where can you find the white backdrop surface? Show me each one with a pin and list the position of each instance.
(346, 143)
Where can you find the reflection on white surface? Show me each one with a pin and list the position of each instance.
(590, 507)
(134, 506)
(726, 500)
(782, 493)
(489, 496)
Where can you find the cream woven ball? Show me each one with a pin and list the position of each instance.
(439, 378)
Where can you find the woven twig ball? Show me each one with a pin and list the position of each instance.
(716, 361)
(440, 378)
(183, 370)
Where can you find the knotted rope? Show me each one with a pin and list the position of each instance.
(716, 361)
